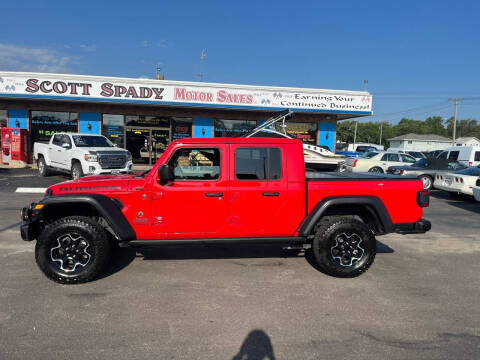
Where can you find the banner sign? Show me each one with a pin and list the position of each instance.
(183, 94)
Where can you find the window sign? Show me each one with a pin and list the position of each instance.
(307, 132)
(112, 128)
(46, 123)
(233, 128)
(181, 128)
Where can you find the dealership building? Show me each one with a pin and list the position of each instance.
(140, 114)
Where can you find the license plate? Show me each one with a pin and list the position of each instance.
(114, 172)
(448, 181)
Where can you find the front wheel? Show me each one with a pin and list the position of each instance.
(343, 246)
(77, 171)
(72, 250)
(42, 167)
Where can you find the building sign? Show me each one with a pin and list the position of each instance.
(181, 93)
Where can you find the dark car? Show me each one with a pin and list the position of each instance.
(427, 169)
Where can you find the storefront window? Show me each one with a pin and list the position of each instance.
(181, 128)
(112, 128)
(233, 128)
(307, 132)
(46, 123)
(147, 121)
(3, 118)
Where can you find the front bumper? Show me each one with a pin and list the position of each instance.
(419, 227)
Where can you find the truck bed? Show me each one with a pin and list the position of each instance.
(349, 176)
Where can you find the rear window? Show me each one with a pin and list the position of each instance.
(453, 155)
(263, 163)
(369, 155)
(443, 155)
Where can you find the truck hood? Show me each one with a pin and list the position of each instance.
(103, 149)
(98, 184)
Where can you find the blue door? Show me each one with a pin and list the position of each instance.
(326, 135)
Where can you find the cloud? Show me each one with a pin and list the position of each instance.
(19, 58)
(148, 43)
(88, 48)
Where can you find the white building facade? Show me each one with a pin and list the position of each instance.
(416, 142)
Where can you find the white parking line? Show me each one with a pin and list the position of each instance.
(33, 190)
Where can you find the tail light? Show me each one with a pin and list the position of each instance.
(355, 163)
(470, 163)
(423, 198)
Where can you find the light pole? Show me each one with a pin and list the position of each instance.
(455, 103)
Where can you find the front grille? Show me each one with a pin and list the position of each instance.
(114, 160)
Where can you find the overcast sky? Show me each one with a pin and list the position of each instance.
(415, 54)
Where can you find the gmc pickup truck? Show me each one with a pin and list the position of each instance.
(217, 191)
(80, 154)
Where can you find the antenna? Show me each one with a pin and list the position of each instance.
(202, 58)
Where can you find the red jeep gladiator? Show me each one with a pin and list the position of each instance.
(222, 191)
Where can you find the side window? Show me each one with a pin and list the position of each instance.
(393, 157)
(261, 163)
(196, 164)
(57, 140)
(477, 156)
(407, 159)
(66, 139)
(443, 155)
(453, 155)
(384, 157)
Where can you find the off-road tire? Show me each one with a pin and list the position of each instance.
(376, 169)
(77, 169)
(98, 248)
(326, 238)
(42, 167)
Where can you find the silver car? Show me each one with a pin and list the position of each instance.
(426, 170)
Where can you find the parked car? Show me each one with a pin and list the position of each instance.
(222, 191)
(468, 155)
(458, 182)
(81, 154)
(476, 190)
(377, 162)
(416, 154)
(427, 170)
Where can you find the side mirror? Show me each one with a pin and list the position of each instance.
(165, 175)
(66, 145)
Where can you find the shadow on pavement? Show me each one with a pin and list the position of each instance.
(10, 227)
(461, 201)
(256, 346)
(121, 258)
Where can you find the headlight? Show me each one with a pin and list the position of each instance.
(90, 157)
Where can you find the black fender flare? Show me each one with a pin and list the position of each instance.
(108, 208)
(373, 204)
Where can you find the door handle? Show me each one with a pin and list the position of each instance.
(219, 194)
(271, 194)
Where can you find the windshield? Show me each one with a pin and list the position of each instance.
(369, 155)
(91, 141)
(472, 171)
(422, 163)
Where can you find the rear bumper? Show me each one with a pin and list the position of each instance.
(419, 227)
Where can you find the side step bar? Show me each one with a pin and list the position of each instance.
(262, 240)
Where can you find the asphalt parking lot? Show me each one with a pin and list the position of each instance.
(418, 301)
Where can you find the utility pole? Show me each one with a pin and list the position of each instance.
(455, 103)
(355, 135)
(381, 130)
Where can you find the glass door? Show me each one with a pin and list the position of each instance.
(146, 144)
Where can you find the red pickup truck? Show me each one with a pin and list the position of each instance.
(222, 190)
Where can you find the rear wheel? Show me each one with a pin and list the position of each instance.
(72, 250)
(427, 182)
(343, 246)
(376, 169)
(77, 171)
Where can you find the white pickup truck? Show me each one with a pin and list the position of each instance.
(81, 154)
